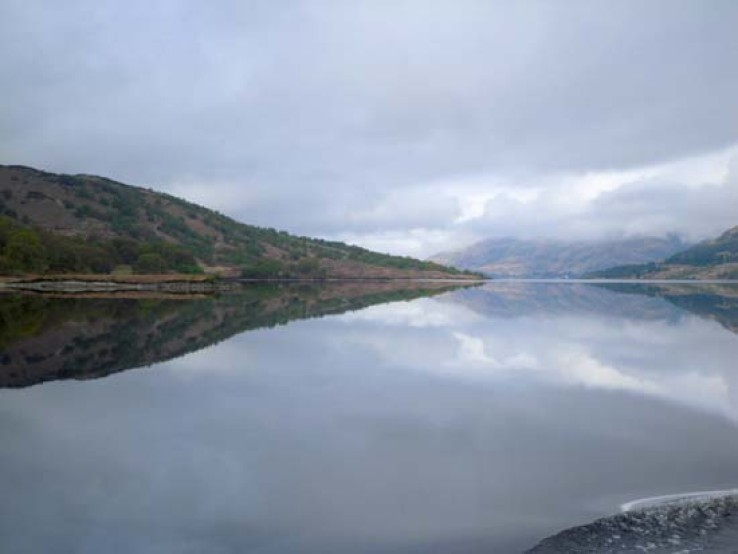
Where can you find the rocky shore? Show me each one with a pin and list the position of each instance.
(679, 526)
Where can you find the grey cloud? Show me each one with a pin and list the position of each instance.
(336, 106)
(663, 208)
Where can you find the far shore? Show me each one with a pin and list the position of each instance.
(172, 283)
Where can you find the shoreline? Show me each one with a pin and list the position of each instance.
(176, 283)
(173, 283)
(671, 499)
(186, 283)
(599, 280)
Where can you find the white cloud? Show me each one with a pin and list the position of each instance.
(685, 362)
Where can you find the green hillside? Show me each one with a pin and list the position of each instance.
(721, 250)
(86, 224)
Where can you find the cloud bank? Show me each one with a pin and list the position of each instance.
(404, 125)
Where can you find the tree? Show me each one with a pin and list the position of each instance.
(309, 266)
(24, 251)
(7, 226)
(150, 263)
(125, 249)
(263, 269)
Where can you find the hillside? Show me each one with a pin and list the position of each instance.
(53, 223)
(516, 258)
(710, 259)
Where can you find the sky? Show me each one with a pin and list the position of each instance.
(406, 126)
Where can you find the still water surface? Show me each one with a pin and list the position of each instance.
(478, 420)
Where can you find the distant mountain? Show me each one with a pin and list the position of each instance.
(53, 223)
(711, 259)
(517, 258)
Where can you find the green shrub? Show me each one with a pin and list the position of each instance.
(24, 251)
(150, 263)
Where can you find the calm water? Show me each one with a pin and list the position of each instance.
(403, 421)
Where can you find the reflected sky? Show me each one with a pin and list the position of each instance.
(481, 420)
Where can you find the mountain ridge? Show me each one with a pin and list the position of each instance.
(509, 257)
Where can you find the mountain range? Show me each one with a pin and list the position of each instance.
(548, 258)
(57, 223)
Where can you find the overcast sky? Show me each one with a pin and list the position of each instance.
(405, 126)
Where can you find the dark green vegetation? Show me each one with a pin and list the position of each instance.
(517, 258)
(46, 338)
(632, 271)
(711, 259)
(25, 249)
(98, 225)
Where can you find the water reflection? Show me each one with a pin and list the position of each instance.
(642, 338)
(83, 336)
(477, 421)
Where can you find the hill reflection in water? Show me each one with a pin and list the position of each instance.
(49, 337)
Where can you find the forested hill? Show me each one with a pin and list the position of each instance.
(52, 223)
(711, 259)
